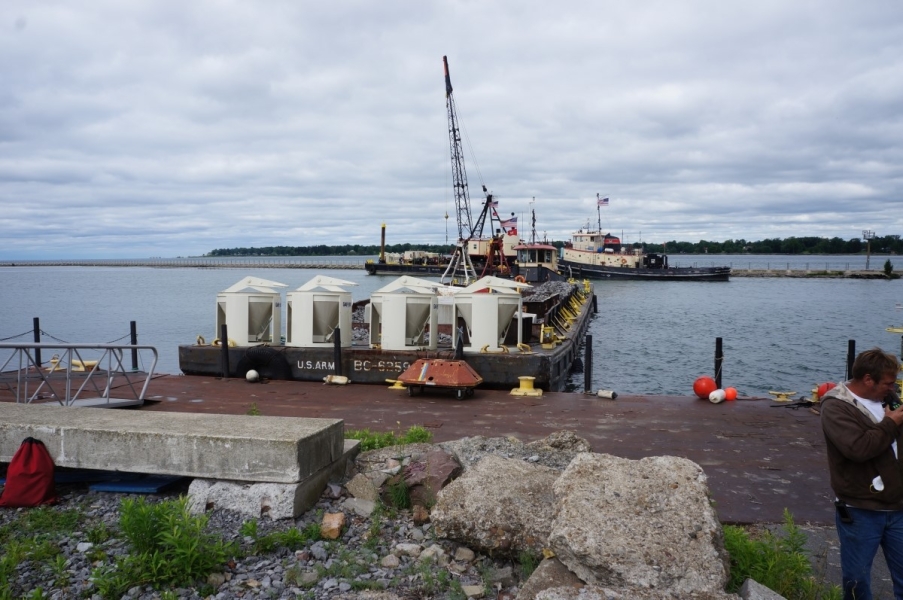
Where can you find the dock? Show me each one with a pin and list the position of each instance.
(760, 456)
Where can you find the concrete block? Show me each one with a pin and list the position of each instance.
(243, 448)
(273, 500)
(753, 590)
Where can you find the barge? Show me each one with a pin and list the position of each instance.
(504, 329)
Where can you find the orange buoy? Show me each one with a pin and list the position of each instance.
(730, 393)
(703, 386)
(824, 387)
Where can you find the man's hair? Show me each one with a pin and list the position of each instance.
(875, 362)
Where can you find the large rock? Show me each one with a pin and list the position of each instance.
(555, 451)
(645, 523)
(626, 593)
(425, 477)
(499, 506)
(548, 575)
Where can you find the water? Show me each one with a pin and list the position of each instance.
(649, 337)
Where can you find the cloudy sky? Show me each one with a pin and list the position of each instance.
(162, 128)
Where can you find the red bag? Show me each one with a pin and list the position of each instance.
(29, 478)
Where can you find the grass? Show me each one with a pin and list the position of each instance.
(777, 561)
(292, 539)
(371, 440)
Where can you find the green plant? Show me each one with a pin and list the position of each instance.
(253, 410)
(59, 566)
(888, 268)
(778, 562)
(170, 548)
(98, 534)
(398, 494)
(528, 561)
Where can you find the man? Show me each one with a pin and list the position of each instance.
(864, 439)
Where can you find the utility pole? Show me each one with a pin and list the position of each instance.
(868, 235)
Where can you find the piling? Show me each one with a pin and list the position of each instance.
(224, 345)
(133, 340)
(337, 349)
(851, 356)
(37, 340)
(719, 361)
(588, 365)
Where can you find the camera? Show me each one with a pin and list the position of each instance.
(891, 401)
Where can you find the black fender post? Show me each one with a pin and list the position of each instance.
(133, 340)
(337, 349)
(851, 356)
(224, 345)
(719, 361)
(588, 365)
(37, 340)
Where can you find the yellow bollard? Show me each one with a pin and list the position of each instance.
(526, 387)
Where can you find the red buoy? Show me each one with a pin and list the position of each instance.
(703, 386)
(730, 393)
(823, 388)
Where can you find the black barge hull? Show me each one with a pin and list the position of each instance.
(581, 271)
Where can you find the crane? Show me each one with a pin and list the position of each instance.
(468, 229)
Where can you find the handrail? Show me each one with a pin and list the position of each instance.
(66, 367)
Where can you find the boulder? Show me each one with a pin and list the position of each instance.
(499, 505)
(549, 574)
(555, 451)
(591, 592)
(645, 524)
(753, 590)
(426, 476)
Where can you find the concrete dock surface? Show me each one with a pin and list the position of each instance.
(760, 457)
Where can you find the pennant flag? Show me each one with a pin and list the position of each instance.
(509, 223)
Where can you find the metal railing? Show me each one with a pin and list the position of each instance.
(71, 379)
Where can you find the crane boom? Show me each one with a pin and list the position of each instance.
(459, 173)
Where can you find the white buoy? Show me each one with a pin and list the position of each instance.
(252, 375)
(607, 394)
(717, 396)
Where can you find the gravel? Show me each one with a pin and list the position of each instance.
(365, 557)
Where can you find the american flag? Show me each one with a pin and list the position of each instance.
(509, 223)
(601, 201)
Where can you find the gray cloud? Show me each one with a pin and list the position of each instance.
(163, 129)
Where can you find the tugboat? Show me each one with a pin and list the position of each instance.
(600, 255)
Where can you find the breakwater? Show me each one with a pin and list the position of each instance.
(794, 269)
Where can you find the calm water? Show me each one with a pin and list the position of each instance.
(649, 337)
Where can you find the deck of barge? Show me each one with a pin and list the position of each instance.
(760, 458)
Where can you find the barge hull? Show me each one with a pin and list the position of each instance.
(578, 270)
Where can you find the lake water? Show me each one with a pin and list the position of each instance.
(648, 338)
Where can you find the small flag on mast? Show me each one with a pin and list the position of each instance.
(601, 201)
(509, 223)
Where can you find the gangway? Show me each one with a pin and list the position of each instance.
(71, 379)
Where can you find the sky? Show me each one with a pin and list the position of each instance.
(161, 128)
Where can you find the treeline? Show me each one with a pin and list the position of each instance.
(889, 244)
(324, 250)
